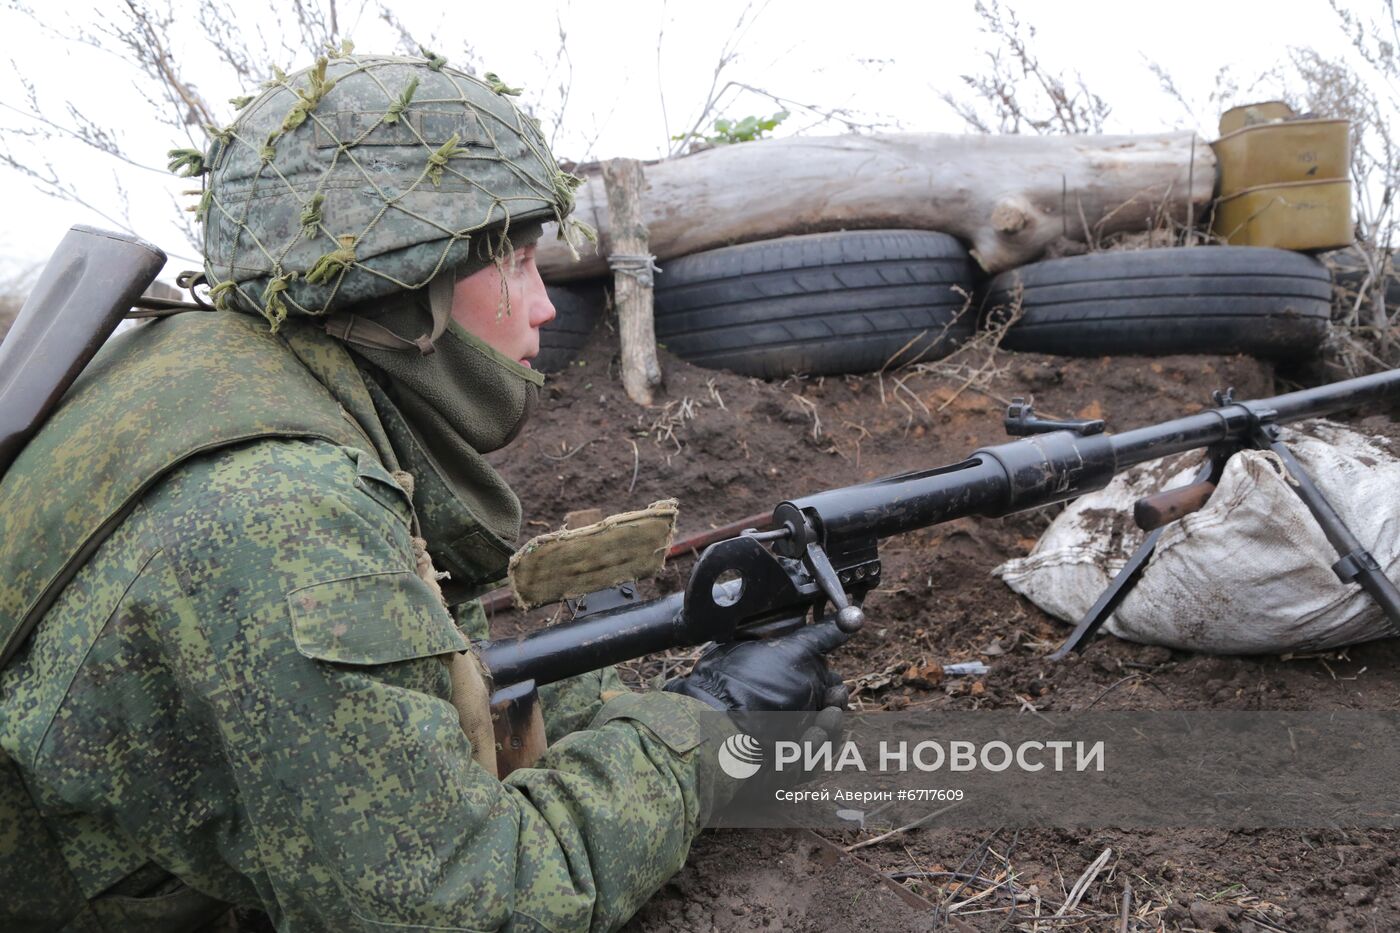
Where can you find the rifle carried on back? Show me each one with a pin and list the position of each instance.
(820, 558)
(87, 287)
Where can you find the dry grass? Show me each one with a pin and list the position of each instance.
(1364, 89)
(653, 670)
(974, 365)
(1365, 336)
(1100, 894)
(1019, 93)
(674, 414)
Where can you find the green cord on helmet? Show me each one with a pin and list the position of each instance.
(364, 176)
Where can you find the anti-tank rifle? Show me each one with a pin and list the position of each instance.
(820, 559)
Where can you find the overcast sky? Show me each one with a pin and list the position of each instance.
(638, 72)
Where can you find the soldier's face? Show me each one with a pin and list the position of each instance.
(505, 306)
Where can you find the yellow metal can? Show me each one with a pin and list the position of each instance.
(1273, 153)
(1237, 118)
(1300, 215)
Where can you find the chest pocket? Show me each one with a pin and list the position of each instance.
(383, 618)
(376, 618)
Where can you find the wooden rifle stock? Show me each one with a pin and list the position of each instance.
(519, 724)
(86, 288)
(1163, 508)
(829, 540)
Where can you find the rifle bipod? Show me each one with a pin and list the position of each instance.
(1355, 564)
(820, 557)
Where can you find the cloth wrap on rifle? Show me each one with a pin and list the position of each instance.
(577, 561)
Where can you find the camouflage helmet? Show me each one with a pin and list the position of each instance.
(363, 176)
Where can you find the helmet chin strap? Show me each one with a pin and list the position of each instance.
(440, 291)
(361, 331)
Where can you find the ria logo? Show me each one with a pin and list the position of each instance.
(740, 756)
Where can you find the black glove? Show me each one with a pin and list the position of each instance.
(787, 673)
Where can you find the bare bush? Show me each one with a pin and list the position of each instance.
(1361, 86)
(236, 47)
(1019, 94)
(1365, 273)
(140, 34)
(724, 93)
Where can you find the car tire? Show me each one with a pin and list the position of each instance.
(576, 312)
(1349, 274)
(1269, 303)
(826, 303)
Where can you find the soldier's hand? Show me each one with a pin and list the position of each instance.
(787, 673)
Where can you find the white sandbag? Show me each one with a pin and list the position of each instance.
(1251, 572)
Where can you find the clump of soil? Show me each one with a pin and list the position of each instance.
(729, 447)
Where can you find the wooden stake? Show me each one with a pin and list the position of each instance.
(632, 281)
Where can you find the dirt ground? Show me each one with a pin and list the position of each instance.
(728, 447)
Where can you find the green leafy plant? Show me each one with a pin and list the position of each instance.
(727, 132)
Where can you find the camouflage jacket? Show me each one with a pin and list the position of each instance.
(238, 699)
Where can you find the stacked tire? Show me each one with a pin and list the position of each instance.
(827, 303)
(576, 312)
(1269, 303)
(868, 300)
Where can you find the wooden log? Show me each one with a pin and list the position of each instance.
(630, 257)
(1008, 197)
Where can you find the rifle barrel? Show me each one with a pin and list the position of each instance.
(1234, 421)
(569, 648)
(1021, 474)
(1334, 397)
(1046, 468)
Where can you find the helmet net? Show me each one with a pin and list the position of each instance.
(363, 176)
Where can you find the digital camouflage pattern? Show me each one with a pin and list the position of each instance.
(101, 450)
(242, 689)
(364, 176)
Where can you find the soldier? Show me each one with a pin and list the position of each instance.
(250, 689)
